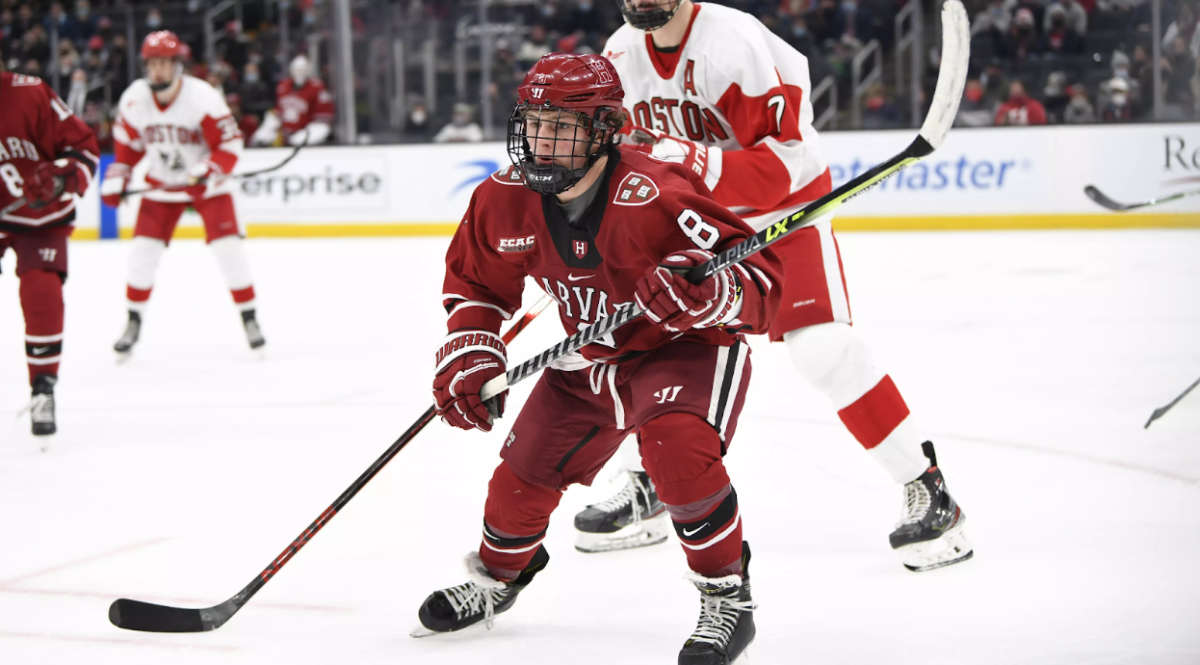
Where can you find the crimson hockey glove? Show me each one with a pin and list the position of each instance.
(676, 304)
(50, 180)
(467, 360)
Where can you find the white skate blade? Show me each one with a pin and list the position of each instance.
(648, 532)
(421, 631)
(953, 547)
(123, 356)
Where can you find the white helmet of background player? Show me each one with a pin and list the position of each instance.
(648, 15)
(164, 44)
(300, 70)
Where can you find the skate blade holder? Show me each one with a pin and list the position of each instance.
(951, 548)
(650, 531)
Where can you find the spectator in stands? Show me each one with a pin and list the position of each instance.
(88, 25)
(823, 22)
(461, 128)
(256, 97)
(799, 37)
(995, 18)
(24, 22)
(1077, 16)
(533, 47)
(153, 20)
(1055, 97)
(1020, 109)
(1058, 38)
(247, 122)
(995, 84)
(1179, 66)
(35, 45)
(973, 111)
(77, 95)
(117, 66)
(1022, 41)
(7, 40)
(1184, 26)
(878, 110)
(1080, 111)
(1119, 108)
(67, 26)
(418, 121)
(855, 25)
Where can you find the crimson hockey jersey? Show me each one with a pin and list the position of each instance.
(297, 107)
(735, 85)
(645, 210)
(196, 126)
(36, 126)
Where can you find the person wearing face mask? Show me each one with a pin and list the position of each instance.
(1020, 109)
(995, 18)
(153, 19)
(255, 94)
(1022, 40)
(303, 109)
(460, 129)
(973, 111)
(418, 121)
(1058, 38)
(1080, 110)
(1118, 109)
(854, 23)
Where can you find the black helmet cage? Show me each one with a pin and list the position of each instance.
(649, 20)
(553, 178)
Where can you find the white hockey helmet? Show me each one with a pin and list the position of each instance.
(299, 69)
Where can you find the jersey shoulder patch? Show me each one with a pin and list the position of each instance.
(509, 175)
(635, 189)
(24, 80)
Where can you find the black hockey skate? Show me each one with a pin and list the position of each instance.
(41, 405)
(929, 534)
(133, 329)
(726, 625)
(616, 525)
(253, 333)
(481, 598)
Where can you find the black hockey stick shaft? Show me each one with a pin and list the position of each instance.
(918, 149)
(1162, 410)
(201, 181)
(1099, 197)
(150, 617)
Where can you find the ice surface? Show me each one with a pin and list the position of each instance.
(1032, 359)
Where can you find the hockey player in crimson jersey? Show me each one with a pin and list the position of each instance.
(712, 88)
(303, 109)
(47, 158)
(192, 141)
(597, 227)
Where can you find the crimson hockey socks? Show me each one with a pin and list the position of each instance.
(42, 302)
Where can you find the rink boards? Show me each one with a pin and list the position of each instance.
(995, 178)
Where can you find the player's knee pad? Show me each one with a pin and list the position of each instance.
(682, 453)
(835, 360)
(235, 265)
(710, 531)
(144, 258)
(516, 506)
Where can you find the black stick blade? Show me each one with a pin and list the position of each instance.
(1099, 197)
(136, 615)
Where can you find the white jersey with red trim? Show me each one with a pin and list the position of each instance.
(195, 127)
(737, 86)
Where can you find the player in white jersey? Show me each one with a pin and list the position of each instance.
(185, 128)
(712, 88)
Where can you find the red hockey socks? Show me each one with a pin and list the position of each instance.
(872, 417)
(42, 302)
(515, 518)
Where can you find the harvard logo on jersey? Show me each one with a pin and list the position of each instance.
(516, 244)
(635, 190)
(509, 175)
(581, 248)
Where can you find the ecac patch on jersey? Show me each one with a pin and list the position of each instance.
(523, 244)
(635, 190)
(509, 175)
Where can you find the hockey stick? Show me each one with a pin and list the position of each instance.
(1162, 410)
(138, 615)
(15, 205)
(201, 181)
(951, 80)
(1099, 197)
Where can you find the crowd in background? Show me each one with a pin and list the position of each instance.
(1033, 61)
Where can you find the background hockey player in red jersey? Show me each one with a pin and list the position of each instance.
(184, 128)
(712, 88)
(47, 157)
(594, 225)
(303, 109)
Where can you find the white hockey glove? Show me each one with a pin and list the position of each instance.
(314, 134)
(267, 132)
(201, 178)
(705, 161)
(116, 179)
